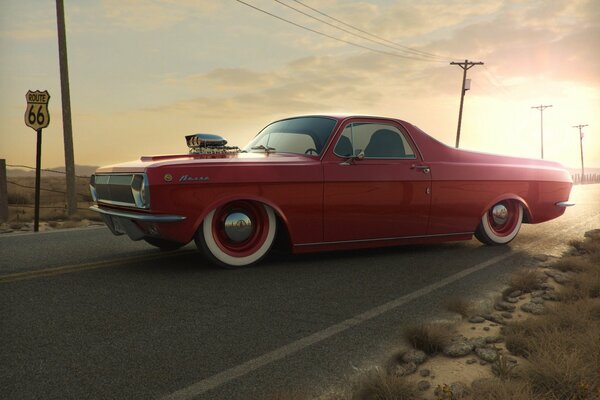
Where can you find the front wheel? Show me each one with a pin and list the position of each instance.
(237, 234)
(501, 223)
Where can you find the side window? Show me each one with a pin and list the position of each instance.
(374, 140)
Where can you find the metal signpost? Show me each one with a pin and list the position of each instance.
(37, 117)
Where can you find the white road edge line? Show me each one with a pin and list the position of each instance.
(216, 380)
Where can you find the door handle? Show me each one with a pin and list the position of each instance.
(424, 168)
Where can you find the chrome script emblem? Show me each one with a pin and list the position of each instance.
(187, 178)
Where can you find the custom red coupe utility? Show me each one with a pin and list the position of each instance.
(325, 182)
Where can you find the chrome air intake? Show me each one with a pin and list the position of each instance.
(207, 143)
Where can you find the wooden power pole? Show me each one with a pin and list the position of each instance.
(466, 65)
(542, 108)
(66, 108)
(581, 148)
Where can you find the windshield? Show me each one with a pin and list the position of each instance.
(305, 135)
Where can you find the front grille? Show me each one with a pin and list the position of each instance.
(115, 189)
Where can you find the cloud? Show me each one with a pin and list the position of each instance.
(148, 15)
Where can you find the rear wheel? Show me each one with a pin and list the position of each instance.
(162, 244)
(501, 223)
(237, 234)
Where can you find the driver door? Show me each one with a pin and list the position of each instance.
(382, 194)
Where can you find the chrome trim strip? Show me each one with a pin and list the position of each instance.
(139, 217)
(384, 239)
(116, 203)
(564, 204)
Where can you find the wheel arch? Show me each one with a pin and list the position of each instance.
(283, 222)
(527, 216)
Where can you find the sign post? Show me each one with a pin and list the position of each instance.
(37, 118)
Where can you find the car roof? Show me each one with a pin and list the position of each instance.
(342, 116)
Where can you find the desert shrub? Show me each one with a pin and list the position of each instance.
(461, 306)
(527, 280)
(495, 389)
(378, 385)
(19, 198)
(285, 396)
(430, 338)
(16, 225)
(565, 367)
(571, 263)
(587, 246)
(75, 218)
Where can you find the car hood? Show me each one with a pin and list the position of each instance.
(181, 160)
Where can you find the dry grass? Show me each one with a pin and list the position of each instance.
(587, 246)
(495, 389)
(583, 285)
(285, 396)
(566, 367)
(527, 280)
(572, 263)
(461, 306)
(430, 338)
(378, 385)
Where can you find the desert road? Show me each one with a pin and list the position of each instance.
(86, 315)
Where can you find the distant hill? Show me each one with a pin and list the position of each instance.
(81, 170)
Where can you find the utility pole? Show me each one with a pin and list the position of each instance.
(581, 147)
(466, 65)
(3, 192)
(542, 108)
(66, 108)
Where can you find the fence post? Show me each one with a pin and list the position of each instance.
(3, 192)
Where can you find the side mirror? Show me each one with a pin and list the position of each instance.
(352, 159)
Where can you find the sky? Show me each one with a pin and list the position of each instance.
(145, 73)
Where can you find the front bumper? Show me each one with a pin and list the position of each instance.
(124, 222)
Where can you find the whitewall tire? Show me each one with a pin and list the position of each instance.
(237, 234)
(501, 223)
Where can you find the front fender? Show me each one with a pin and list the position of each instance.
(252, 197)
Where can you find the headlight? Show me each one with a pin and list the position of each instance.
(140, 191)
(93, 187)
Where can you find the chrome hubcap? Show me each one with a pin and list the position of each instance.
(238, 227)
(499, 214)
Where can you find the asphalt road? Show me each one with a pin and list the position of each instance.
(86, 315)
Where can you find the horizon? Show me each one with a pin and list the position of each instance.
(142, 78)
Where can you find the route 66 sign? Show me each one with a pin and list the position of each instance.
(36, 114)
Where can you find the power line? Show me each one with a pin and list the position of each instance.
(391, 45)
(46, 190)
(330, 36)
(495, 78)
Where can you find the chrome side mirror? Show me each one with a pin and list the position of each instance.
(352, 159)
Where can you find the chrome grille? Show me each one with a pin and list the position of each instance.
(121, 189)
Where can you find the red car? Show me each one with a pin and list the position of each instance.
(326, 182)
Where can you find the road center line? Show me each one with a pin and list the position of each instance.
(223, 377)
(66, 269)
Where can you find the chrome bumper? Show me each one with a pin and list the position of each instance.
(138, 217)
(122, 222)
(564, 204)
